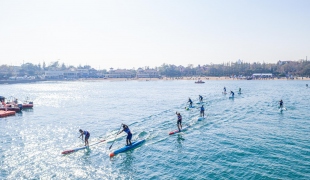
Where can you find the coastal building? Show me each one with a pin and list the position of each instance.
(82, 73)
(70, 74)
(262, 75)
(120, 73)
(54, 74)
(147, 73)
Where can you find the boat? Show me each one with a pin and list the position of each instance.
(27, 103)
(177, 131)
(199, 82)
(129, 147)
(80, 148)
(6, 113)
(9, 106)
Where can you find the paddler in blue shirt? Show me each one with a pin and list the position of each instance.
(202, 111)
(129, 134)
(179, 122)
(87, 134)
(190, 102)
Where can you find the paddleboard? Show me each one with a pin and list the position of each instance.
(239, 92)
(177, 131)
(201, 118)
(126, 148)
(282, 109)
(231, 97)
(80, 148)
(199, 102)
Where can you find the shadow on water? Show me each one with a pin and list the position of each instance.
(87, 152)
(180, 139)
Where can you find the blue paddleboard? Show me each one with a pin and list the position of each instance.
(126, 148)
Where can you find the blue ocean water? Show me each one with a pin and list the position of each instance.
(242, 138)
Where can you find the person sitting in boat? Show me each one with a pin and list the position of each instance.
(179, 122)
(281, 103)
(129, 134)
(202, 111)
(4, 105)
(190, 102)
(87, 134)
(200, 98)
(232, 93)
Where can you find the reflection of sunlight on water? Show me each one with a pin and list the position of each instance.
(33, 140)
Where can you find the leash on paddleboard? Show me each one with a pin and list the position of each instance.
(115, 138)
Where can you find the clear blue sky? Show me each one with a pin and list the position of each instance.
(138, 33)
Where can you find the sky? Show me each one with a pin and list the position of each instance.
(123, 34)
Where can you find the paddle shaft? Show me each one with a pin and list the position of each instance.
(114, 138)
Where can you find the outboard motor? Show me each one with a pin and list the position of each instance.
(20, 106)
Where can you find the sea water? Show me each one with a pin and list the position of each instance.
(242, 138)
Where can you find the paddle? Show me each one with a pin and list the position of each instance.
(114, 138)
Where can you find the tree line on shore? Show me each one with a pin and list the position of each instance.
(299, 68)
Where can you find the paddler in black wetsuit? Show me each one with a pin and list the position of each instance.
(129, 134)
(200, 98)
(281, 103)
(232, 93)
(179, 122)
(190, 102)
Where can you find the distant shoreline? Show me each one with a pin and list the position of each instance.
(204, 79)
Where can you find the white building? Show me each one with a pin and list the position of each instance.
(120, 73)
(148, 73)
(54, 74)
